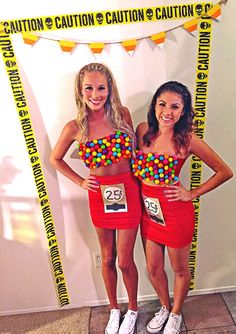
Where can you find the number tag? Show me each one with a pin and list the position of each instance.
(153, 209)
(114, 198)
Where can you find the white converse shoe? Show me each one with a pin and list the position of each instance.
(158, 322)
(113, 322)
(173, 324)
(128, 324)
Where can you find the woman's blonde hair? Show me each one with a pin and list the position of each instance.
(114, 110)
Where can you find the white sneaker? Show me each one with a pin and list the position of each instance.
(173, 324)
(158, 322)
(113, 322)
(128, 324)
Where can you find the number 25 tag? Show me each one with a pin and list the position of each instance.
(153, 209)
(114, 198)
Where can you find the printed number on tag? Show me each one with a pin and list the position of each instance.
(151, 206)
(113, 194)
(114, 198)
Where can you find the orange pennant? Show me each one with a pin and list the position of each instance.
(158, 38)
(130, 46)
(30, 38)
(96, 47)
(215, 11)
(191, 26)
(67, 46)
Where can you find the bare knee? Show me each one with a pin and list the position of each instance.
(125, 264)
(181, 271)
(155, 271)
(109, 261)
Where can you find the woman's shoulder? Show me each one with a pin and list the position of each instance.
(72, 128)
(141, 128)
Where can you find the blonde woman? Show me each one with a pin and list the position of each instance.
(104, 132)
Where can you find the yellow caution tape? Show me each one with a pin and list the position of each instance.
(34, 157)
(202, 74)
(104, 18)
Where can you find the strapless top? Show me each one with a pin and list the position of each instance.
(107, 150)
(158, 168)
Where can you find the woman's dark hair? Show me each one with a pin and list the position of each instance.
(183, 127)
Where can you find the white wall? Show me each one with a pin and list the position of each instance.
(48, 75)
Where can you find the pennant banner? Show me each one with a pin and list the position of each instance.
(118, 17)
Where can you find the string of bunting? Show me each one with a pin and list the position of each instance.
(190, 26)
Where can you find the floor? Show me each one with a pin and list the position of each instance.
(202, 314)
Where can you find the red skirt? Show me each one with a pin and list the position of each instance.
(174, 224)
(117, 204)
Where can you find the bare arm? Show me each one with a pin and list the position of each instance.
(222, 172)
(140, 130)
(67, 137)
(128, 118)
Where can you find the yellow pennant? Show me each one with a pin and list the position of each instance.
(67, 46)
(30, 38)
(215, 12)
(191, 26)
(96, 47)
(130, 46)
(158, 38)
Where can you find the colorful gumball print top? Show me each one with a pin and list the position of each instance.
(106, 151)
(162, 169)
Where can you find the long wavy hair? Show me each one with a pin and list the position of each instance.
(114, 111)
(184, 126)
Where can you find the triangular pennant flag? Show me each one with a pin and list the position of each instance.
(30, 38)
(159, 38)
(67, 46)
(96, 47)
(215, 12)
(130, 46)
(191, 26)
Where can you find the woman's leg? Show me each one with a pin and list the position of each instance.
(179, 262)
(107, 240)
(125, 247)
(155, 257)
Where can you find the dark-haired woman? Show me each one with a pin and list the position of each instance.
(165, 141)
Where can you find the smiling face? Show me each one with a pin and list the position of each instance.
(95, 90)
(169, 108)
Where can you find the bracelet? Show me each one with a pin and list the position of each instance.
(81, 182)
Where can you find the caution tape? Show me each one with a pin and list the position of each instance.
(34, 157)
(202, 74)
(105, 18)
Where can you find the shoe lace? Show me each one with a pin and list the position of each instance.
(175, 321)
(114, 318)
(129, 322)
(160, 313)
